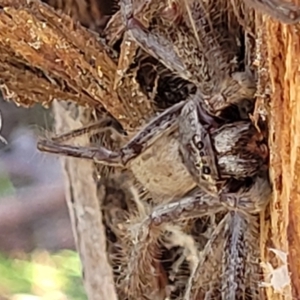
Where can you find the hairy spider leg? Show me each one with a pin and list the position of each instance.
(226, 252)
(234, 258)
(238, 238)
(102, 125)
(195, 204)
(241, 242)
(160, 125)
(212, 249)
(158, 48)
(233, 89)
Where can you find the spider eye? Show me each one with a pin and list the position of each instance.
(198, 165)
(200, 145)
(206, 170)
(197, 141)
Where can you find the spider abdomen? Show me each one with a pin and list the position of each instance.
(160, 170)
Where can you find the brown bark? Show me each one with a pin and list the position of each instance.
(280, 52)
(59, 56)
(60, 59)
(84, 210)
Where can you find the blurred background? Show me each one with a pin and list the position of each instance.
(37, 253)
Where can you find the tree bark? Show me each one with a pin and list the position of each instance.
(84, 209)
(280, 51)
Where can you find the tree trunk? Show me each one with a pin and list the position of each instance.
(280, 53)
(84, 208)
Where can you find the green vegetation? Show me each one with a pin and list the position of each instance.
(43, 275)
